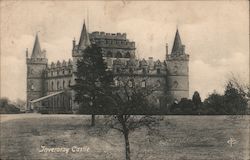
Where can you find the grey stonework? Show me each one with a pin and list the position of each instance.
(172, 74)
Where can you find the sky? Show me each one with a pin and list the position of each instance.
(216, 35)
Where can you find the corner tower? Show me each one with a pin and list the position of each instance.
(178, 70)
(36, 65)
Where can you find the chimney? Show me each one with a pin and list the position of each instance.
(74, 43)
(27, 53)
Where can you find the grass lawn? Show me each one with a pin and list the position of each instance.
(180, 138)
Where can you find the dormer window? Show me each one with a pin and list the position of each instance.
(127, 55)
(118, 55)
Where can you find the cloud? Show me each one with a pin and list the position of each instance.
(205, 77)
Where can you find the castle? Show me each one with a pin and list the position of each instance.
(48, 85)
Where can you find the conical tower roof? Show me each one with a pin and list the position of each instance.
(36, 52)
(177, 47)
(84, 41)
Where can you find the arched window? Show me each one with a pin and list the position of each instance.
(127, 55)
(118, 55)
(175, 84)
(109, 54)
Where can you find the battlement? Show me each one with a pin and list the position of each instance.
(137, 66)
(184, 57)
(111, 40)
(103, 35)
(59, 65)
(59, 69)
(36, 60)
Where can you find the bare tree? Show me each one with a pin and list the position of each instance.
(129, 99)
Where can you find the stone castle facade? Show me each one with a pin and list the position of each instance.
(48, 85)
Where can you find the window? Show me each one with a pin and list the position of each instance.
(63, 71)
(118, 70)
(144, 71)
(51, 73)
(127, 55)
(175, 84)
(130, 83)
(158, 70)
(109, 54)
(118, 55)
(116, 82)
(69, 83)
(131, 70)
(63, 84)
(52, 85)
(32, 86)
(143, 84)
(158, 83)
(58, 85)
(57, 72)
(69, 71)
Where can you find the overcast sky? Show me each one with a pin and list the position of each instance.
(216, 35)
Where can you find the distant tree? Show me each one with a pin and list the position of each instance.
(214, 104)
(196, 100)
(93, 81)
(6, 107)
(185, 106)
(233, 101)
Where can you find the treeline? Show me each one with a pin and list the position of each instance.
(234, 101)
(8, 107)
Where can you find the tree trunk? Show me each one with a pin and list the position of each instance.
(127, 147)
(93, 120)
